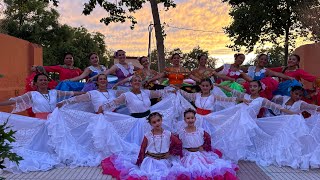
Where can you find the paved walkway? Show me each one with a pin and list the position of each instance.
(248, 171)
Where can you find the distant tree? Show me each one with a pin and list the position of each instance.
(261, 21)
(35, 21)
(310, 19)
(275, 54)
(121, 11)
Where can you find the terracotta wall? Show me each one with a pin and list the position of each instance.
(310, 59)
(17, 56)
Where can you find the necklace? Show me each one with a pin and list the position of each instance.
(202, 105)
(47, 98)
(154, 143)
(105, 95)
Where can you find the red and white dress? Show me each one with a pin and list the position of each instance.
(155, 160)
(202, 164)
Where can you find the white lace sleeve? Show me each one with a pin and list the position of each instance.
(189, 96)
(77, 99)
(23, 102)
(160, 93)
(112, 105)
(311, 108)
(270, 105)
(225, 99)
(237, 94)
(62, 95)
(278, 99)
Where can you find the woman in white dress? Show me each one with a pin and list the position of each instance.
(32, 139)
(77, 124)
(275, 139)
(132, 128)
(311, 141)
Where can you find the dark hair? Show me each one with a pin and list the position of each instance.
(298, 59)
(36, 77)
(67, 53)
(153, 115)
(117, 52)
(199, 57)
(260, 55)
(174, 54)
(140, 58)
(92, 53)
(189, 111)
(237, 55)
(207, 80)
(297, 88)
(259, 83)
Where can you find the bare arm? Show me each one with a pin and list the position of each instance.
(219, 69)
(7, 103)
(158, 76)
(112, 70)
(246, 77)
(224, 77)
(277, 74)
(123, 81)
(85, 73)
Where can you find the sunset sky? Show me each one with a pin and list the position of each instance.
(207, 16)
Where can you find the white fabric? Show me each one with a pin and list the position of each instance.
(192, 139)
(158, 143)
(98, 70)
(226, 68)
(252, 71)
(125, 71)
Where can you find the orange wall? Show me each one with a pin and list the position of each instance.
(17, 56)
(310, 59)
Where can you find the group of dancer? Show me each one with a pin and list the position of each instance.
(200, 124)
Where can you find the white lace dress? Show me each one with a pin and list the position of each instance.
(311, 141)
(133, 129)
(205, 163)
(276, 140)
(32, 139)
(76, 132)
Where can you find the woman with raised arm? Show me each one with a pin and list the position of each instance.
(145, 73)
(292, 69)
(32, 138)
(66, 71)
(76, 132)
(132, 128)
(122, 69)
(234, 71)
(275, 140)
(89, 72)
(204, 72)
(176, 74)
(264, 75)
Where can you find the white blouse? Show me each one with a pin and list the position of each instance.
(192, 139)
(158, 143)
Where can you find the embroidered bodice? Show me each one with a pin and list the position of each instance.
(95, 71)
(256, 75)
(99, 98)
(158, 143)
(123, 72)
(192, 139)
(228, 72)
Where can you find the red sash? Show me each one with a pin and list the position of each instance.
(43, 116)
(203, 111)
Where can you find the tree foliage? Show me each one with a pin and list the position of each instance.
(260, 21)
(275, 54)
(35, 21)
(7, 137)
